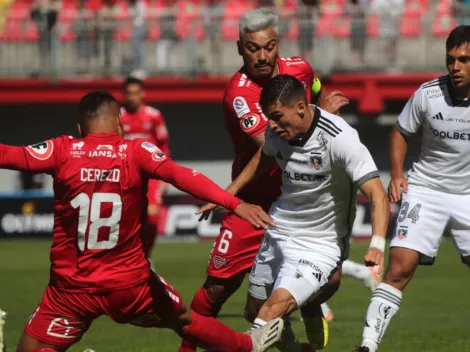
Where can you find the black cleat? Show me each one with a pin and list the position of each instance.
(362, 349)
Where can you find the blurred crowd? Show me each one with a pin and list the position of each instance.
(94, 26)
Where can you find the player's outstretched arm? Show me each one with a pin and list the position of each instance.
(258, 166)
(398, 149)
(380, 212)
(38, 158)
(200, 186)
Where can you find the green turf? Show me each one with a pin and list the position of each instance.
(434, 315)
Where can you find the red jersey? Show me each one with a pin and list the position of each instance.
(245, 120)
(148, 124)
(99, 188)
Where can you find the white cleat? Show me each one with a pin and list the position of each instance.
(3, 316)
(374, 279)
(267, 335)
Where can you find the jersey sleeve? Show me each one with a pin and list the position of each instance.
(37, 158)
(349, 152)
(412, 116)
(268, 146)
(157, 165)
(161, 134)
(244, 110)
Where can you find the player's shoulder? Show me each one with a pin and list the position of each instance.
(140, 145)
(151, 111)
(296, 66)
(240, 85)
(332, 125)
(434, 88)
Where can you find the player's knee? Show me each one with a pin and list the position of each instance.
(466, 260)
(403, 263)
(279, 305)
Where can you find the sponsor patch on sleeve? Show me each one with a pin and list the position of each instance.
(157, 154)
(41, 151)
(250, 122)
(240, 106)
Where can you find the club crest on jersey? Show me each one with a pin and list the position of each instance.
(218, 261)
(240, 106)
(317, 162)
(41, 151)
(402, 233)
(250, 122)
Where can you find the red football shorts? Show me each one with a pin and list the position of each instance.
(62, 317)
(235, 248)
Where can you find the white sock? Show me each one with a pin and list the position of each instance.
(357, 271)
(258, 323)
(384, 304)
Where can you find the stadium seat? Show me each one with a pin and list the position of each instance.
(416, 7)
(232, 13)
(30, 33)
(67, 20)
(444, 7)
(373, 26)
(123, 31)
(333, 7)
(410, 26)
(189, 22)
(443, 24)
(325, 25)
(342, 27)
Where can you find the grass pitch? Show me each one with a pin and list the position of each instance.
(434, 315)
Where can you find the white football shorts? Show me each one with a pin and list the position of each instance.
(425, 215)
(301, 263)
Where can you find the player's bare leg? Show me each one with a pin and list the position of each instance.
(208, 333)
(386, 298)
(31, 344)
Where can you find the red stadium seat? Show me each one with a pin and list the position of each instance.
(67, 20)
(293, 32)
(232, 13)
(154, 32)
(342, 27)
(416, 7)
(410, 26)
(189, 20)
(325, 25)
(442, 25)
(444, 7)
(373, 26)
(123, 31)
(333, 7)
(30, 32)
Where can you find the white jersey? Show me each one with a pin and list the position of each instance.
(444, 162)
(321, 175)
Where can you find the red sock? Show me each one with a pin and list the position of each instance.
(208, 333)
(205, 306)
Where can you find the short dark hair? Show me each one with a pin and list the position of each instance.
(92, 102)
(132, 80)
(282, 88)
(459, 35)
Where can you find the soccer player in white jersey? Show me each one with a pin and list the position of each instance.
(436, 195)
(323, 164)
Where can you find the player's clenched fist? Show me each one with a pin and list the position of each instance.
(255, 215)
(375, 257)
(333, 102)
(395, 187)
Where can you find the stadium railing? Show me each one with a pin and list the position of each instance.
(203, 42)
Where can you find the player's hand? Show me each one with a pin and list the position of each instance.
(333, 102)
(255, 215)
(395, 187)
(206, 210)
(375, 256)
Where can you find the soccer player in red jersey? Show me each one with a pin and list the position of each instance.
(238, 243)
(143, 121)
(98, 265)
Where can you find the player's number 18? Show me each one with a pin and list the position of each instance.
(89, 218)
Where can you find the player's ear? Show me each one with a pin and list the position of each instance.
(240, 48)
(301, 108)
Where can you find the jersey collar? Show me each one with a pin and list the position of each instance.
(302, 141)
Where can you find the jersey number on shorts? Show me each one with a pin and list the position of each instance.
(413, 214)
(224, 242)
(89, 218)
